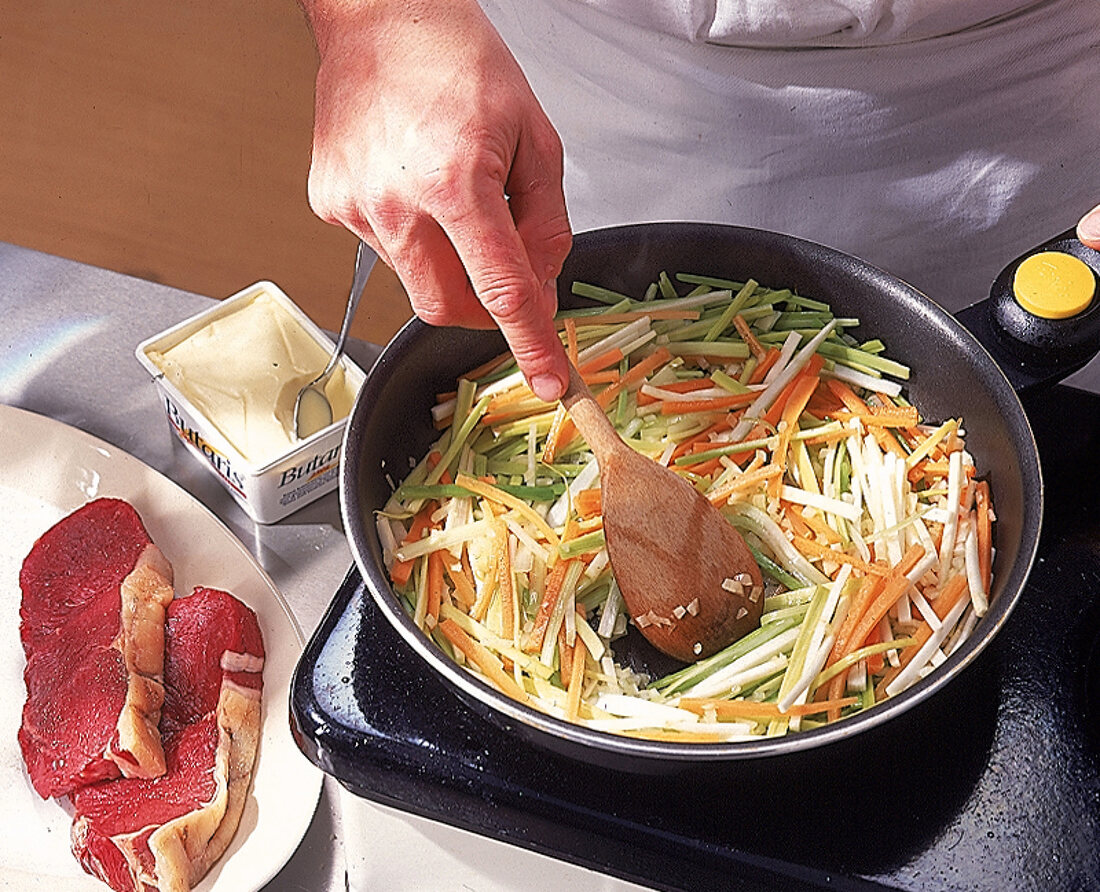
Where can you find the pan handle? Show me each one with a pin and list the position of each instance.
(1052, 337)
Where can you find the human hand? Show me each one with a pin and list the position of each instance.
(1088, 229)
(430, 145)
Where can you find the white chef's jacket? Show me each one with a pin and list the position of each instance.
(937, 139)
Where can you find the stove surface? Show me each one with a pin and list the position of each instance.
(994, 783)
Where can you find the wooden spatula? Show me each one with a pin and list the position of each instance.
(688, 578)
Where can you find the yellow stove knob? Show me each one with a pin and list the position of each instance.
(1054, 285)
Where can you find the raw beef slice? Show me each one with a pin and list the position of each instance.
(166, 832)
(95, 590)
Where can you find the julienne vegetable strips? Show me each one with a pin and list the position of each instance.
(870, 525)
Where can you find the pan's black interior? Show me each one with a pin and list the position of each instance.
(952, 376)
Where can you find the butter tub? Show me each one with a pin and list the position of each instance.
(227, 378)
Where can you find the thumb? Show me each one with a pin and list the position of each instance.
(1088, 230)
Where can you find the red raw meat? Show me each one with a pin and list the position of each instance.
(165, 833)
(95, 589)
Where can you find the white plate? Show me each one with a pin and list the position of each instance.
(48, 470)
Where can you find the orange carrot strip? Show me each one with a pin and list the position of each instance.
(607, 377)
(506, 586)
(422, 521)
(755, 347)
(819, 526)
(463, 585)
(895, 587)
(856, 405)
(797, 522)
(700, 441)
(571, 339)
(748, 480)
(712, 404)
(869, 589)
(765, 365)
(560, 433)
(481, 657)
(899, 416)
(816, 549)
(485, 368)
(985, 533)
(588, 502)
(601, 362)
(435, 588)
(550, 596)
(801, 389)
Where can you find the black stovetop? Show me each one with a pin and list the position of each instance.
(994, 783)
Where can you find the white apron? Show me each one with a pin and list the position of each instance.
(859, 124)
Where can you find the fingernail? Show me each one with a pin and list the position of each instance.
(1089, 227)
(547, 388)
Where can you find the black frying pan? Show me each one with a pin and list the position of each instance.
(952, 375)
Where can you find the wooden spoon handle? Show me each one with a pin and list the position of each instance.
(590, 418)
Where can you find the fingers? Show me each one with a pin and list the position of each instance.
(521, 300)
(1088, 230)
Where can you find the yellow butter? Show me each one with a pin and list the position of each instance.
(242, 371)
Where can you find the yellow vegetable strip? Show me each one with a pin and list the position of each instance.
(488, 491)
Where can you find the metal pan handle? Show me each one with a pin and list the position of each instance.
(1036, 349)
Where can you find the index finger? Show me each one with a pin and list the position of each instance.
(497, 262)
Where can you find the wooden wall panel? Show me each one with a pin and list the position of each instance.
(170, 140)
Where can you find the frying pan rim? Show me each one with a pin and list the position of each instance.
(648, 754)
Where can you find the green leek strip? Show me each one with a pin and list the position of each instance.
(722, 349)
(855, 656)
(458, 438)
(691, 279)
(535, 493)
(789, 598)
(593, 541)
(855, 356)
(725, 318)
(799, 654)
(464, 401)
(749, 517)
(623, 306)
(668, 291)
(806, 303)
(691, 675)
(795, 611)
(726, 382)
(595, 292)
(677, 330)
(773, 571)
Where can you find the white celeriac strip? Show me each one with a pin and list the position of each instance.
(770, 393)
(868, 382)
(912, 672)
